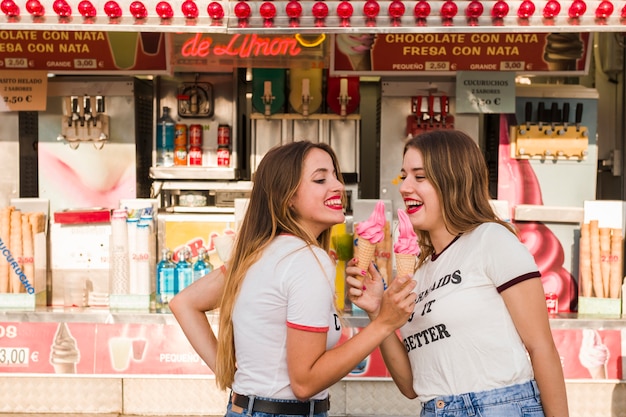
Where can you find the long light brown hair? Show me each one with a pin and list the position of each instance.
(268, 215)
(455, 166)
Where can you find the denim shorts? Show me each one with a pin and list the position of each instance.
(231, 413)
(521, 400)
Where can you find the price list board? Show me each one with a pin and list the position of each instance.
(441, 53)
(23, 90)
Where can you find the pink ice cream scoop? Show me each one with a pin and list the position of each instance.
(373, 229)
(407, 239)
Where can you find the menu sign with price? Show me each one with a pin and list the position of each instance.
(23, 90)
(387, 53)
(83, 51)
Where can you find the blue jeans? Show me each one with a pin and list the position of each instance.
(520, 400)
(244, 413)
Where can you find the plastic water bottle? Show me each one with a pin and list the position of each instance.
(202, 266)
(165, 139)
(166, 279)
(184, 270)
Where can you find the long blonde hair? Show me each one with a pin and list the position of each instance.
(456, 168)
(268, 214)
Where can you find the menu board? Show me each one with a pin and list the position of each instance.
(441, 53)
(83, 51)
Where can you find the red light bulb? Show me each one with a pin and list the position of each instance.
(189, 9)
(61, 8)
(35, 8)
(86, 9)
(577, 9)
(526, 9)
(371, 8)
(474, 9)
(551, 9)
(9, 8)
(422, 9)
(396, 9)
(293, 9)
(112, 9)
(164, 10)
(345, 10)
(604, 10)
(320, 10)
(267, 10)
(215, 10)
(449, 9)
(242, 10)
(500, 10)
(138, 10)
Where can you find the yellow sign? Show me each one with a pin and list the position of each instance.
(23, 90)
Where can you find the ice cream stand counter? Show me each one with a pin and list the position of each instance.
(139, 363)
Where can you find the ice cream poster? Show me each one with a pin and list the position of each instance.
(589, 353)
(450, 52)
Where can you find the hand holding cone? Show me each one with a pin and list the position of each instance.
(406, 248)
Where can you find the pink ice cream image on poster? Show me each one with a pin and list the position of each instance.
(518, 184)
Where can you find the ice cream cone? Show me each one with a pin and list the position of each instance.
(64, 368)
(596, 269)
(615, 275)
(562, 65)
(597, 372)
(360, 62)
(405, 264)
(366, 250)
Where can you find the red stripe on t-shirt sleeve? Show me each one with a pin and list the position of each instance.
(308, 328)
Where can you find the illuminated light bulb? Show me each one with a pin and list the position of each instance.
(449, 9)
(86, 9)
(396, 9)
(500, 10)
(267, 10)
(189, 9)
(526, 9)
(577, 9)
(164, 10)
(320, 10)
(345, 10)
(551, 9)
(35, 8)
(138, 10)
(9, 8)
(61, 8)
(371, 8)
(422, 9)
(474, 9)
(242, 10)
(604, 9)
(112, 9)
(215, 10)
(293, 9)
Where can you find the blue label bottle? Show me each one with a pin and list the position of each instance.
(166, 280)
(202, 266)
(184, 271)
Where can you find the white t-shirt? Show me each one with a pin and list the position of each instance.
(292, 285)
(461, 337)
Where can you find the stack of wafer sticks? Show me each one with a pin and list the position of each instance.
(601, 252)
(17, 231)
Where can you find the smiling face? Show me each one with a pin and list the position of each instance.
(420, 197)
(317, 200)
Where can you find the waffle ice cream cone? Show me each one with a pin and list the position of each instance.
(405, 264)
(598, 372)
(360, 62)
(64, 368)
(366, 250)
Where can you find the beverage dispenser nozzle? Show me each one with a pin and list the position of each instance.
(88, 110)
(306, 96)
(268, 98)
(540, 114)
(76, 112)
(564, 118)
(554, 118)
(579, 117)
(528, 116)
(344, 98)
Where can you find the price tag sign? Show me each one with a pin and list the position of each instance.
(10, 356)
(485, 92)
(23, 90)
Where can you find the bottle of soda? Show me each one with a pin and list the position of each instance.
(166, 280)
(165, 139)
(202, 266)
(184, 271)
